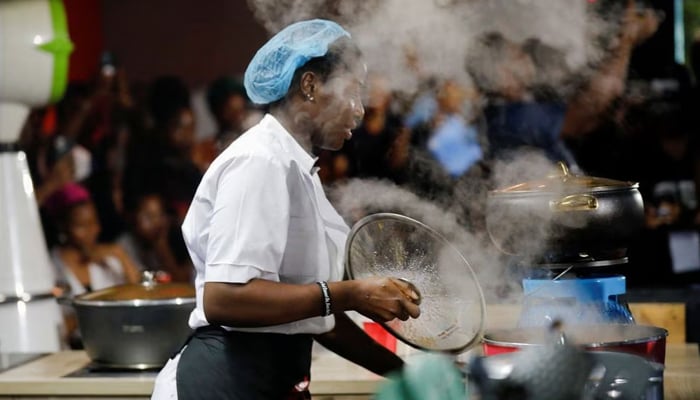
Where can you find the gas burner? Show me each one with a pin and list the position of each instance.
(583, 259)
(574, 299)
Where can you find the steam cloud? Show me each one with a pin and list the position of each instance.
(409, 40)
(360, 197)
(437, 34)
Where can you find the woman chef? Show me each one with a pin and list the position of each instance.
(266, 243)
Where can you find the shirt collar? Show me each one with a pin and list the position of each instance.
(305, 160)
(315, 167)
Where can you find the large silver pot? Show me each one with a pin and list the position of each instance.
(614, 375)
(643, 340)
(134, 326)
(565, 214)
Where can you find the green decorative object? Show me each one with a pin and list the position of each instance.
(61, 47)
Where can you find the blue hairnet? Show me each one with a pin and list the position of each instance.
(270, 72)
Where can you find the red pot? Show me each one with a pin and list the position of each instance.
(646, 341)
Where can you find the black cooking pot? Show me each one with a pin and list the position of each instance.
(565, 215)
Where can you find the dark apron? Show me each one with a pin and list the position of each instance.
(218, 364)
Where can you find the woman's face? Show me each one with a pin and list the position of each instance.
(83, 226)
(181, 130)
(234, 111)
(340, 108)
(516, 73)
(151, 220)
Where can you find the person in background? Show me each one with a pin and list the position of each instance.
(268, 246)
(536, 103)
(591, 103)
(515, 120)
(445, 163)
(380, 145)
(448, 135)
(85, 263)
(163, 159)
(106, 182)
(82, 263)
(92, 123)
(149, 239)
(233, 113)
(105, 105)
(667, 185)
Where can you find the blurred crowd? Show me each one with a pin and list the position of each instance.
(116, 163)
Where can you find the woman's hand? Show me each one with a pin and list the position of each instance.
(383, 299)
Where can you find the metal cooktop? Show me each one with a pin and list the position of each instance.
(93, 370)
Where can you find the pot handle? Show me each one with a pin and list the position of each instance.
(64, 300)
(574, 202)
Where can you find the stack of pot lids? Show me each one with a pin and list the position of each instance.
(452, 304)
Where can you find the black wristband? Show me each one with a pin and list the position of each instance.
(326, 298)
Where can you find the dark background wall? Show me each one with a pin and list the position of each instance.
(197, 40)
(200, 40)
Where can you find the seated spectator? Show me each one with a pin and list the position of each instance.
(379, 146)
(82, 264)
(234, 114)
(162, 160)
(152, 240)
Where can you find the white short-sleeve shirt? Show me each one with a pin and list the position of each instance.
(260, 212)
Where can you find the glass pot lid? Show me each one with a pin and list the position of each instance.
(563, 181)
(452, 304)
(147, 290)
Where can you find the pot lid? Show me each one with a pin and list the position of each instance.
(452, 304)
(148, 289)
(564, 181)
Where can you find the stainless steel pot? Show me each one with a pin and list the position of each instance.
(643, 340)
(134, 326)
(565, 214)
(613, 375)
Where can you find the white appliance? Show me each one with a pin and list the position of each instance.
(34, 50)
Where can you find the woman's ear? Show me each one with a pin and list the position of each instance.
(308, 85)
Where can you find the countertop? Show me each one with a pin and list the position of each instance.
(63, 375)
(332, 377)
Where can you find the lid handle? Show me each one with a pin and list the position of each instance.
(574, 202)
(562, 171)
(148, 279)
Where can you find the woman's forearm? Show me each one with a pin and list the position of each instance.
(263, 303)
(347, 337)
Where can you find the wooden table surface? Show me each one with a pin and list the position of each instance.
(333, 377)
